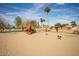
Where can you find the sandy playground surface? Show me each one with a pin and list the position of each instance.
(38, 44)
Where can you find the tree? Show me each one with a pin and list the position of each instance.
(58, 25)
(18, 22)
(42, 20)
(73, 23)
(34, 23)
(2, 23)
(8, 27)
(51, 27)
(47, 10)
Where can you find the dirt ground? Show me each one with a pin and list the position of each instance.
(38, 44)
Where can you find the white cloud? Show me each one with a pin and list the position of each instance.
(33, 14)
(63, 21)
(26, 11)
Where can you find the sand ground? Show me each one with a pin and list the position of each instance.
(38, 44)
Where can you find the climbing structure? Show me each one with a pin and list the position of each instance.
(27, 29)
(30, 28)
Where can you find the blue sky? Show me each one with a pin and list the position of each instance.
(60, 12)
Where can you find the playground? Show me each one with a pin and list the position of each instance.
(39, 29)
(39, 44)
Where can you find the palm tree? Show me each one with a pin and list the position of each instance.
(47, 10)
(42, 20)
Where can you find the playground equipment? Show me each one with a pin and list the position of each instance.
(29, 28)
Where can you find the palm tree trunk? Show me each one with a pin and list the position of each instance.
(47, 23)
